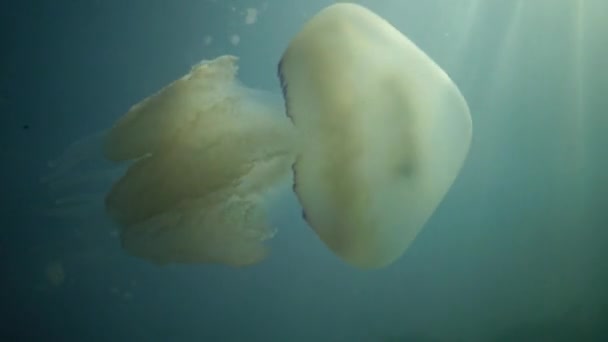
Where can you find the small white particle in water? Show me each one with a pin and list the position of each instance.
(251, 16)
(207, 40)
(55, 273)
(235, 39)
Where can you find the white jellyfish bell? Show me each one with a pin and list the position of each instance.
(375, 134)
(385, 132)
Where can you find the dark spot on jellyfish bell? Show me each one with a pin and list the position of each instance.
(294, 187)
(406, 168)
(283, 83)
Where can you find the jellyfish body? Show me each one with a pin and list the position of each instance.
(375, 134)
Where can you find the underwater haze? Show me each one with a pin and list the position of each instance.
(516, 251)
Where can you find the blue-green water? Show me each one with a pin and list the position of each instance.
(515, 252)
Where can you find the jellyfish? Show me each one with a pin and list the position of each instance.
(369, 129)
